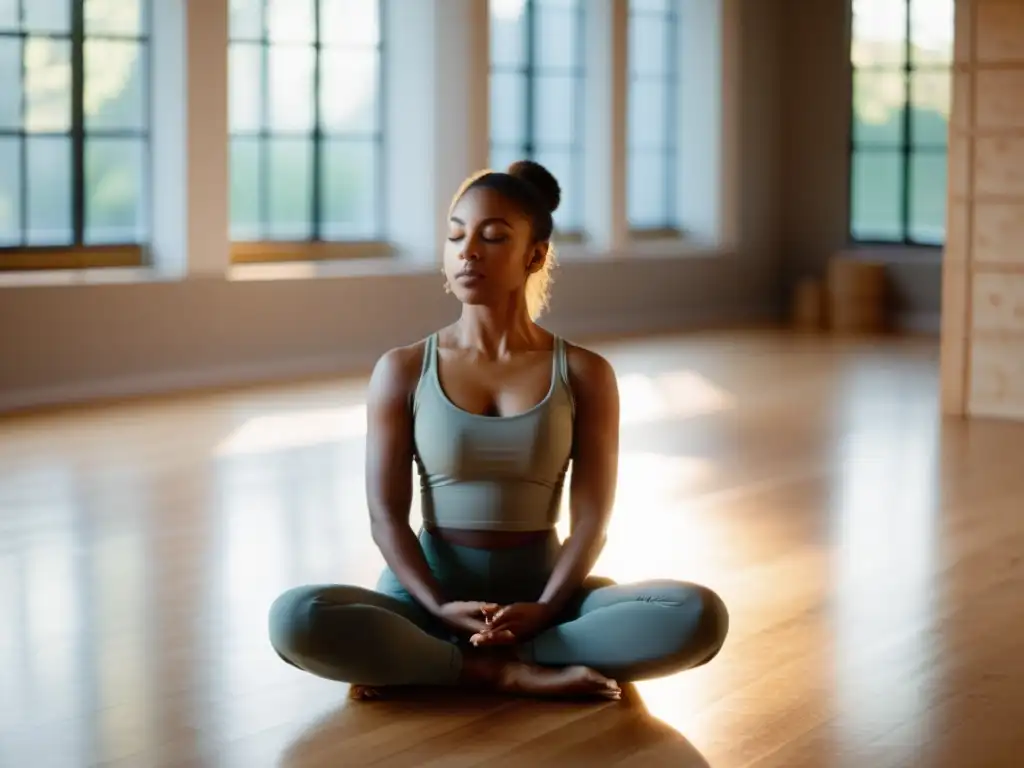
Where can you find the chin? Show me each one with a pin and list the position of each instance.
(474, 297)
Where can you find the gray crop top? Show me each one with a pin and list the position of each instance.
(492, 473)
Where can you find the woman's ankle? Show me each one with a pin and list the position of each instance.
(483, 668)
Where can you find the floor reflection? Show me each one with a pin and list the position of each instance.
(886, 521)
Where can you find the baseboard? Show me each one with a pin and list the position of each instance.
(349, 362)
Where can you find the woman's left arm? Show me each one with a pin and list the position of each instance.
(594, 473)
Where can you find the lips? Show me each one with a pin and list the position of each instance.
(469, 274)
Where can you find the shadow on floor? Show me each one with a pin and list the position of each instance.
(422, 729)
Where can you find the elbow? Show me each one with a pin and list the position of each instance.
(382, 529)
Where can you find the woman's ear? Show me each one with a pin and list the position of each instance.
(538, 256)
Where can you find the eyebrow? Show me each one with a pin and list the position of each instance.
(498, 219)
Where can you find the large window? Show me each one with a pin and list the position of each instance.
(74, 127)
(305, 116)
(901, 53)
(652, 125)
(537, 93)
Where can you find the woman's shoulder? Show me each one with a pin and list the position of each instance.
(398, 370)
(587, 368)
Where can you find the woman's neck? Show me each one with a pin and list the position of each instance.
(496, 331)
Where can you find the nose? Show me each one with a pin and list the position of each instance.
(469, 250)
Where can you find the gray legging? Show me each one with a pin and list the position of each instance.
(384, 637)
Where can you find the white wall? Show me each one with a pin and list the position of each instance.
(74, 336)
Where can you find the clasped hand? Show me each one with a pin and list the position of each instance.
(493, 624)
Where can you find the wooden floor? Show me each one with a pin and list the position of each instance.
(870, 554)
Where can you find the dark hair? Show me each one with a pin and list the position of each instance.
(531, 186)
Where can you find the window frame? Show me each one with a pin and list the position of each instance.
(79, 254)
(316, 247)
(530, 71)
(672, 227)
(905, 149)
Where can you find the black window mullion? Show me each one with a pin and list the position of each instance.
(23, 134)
(316, 198)
(530, 140)
(263, 141)
(907, 126)
(670, 115)
(383, 9)
(78, 211)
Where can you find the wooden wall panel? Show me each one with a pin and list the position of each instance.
(983, 271)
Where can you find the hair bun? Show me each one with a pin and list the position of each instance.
(541, 179)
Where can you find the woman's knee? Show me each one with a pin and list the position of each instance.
(705, 623)
(291, 622)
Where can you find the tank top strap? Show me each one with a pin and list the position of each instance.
(429, 356)
(426, 370)
(562, 367)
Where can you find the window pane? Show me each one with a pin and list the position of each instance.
(928, 198)
(931, 30)
(650, 6)
(114, 17)
(10, 76)
(929, 111)
(290, 21)
(10, 191)
(350, 190)
(562, 163)
(877, 194)
(9, 14)
(879, 32)
(53, 16)
(508, 33)
(557, 36)
(648, 118)
(115, 191)
(555, 109)
(291, 87)
(49, 191)
(114, 75)
(246, 188)
(246, 19)
(648, 45)
(878, 99)
(47, 85)
(646, 190)
(503, 155)
(508, 108)
(348, 91)
(245, 93)
(350, 22)
(291, 188)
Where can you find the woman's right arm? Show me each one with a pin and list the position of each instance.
(389, 455)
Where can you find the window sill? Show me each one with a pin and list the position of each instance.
(73, 258)
(101, 276)
(89, 265)
(304, 252)
(668, 243)
(340, 268)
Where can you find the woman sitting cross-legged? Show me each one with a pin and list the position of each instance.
(492, 410)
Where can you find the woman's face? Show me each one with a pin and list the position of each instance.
(487, 256)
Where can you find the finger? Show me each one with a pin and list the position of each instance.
(490, 610)
(492, 638)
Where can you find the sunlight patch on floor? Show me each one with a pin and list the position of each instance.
(281, 431)
(676, 394)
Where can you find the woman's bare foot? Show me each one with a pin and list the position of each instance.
(365, 693)
(499, 670)
(520, 678)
